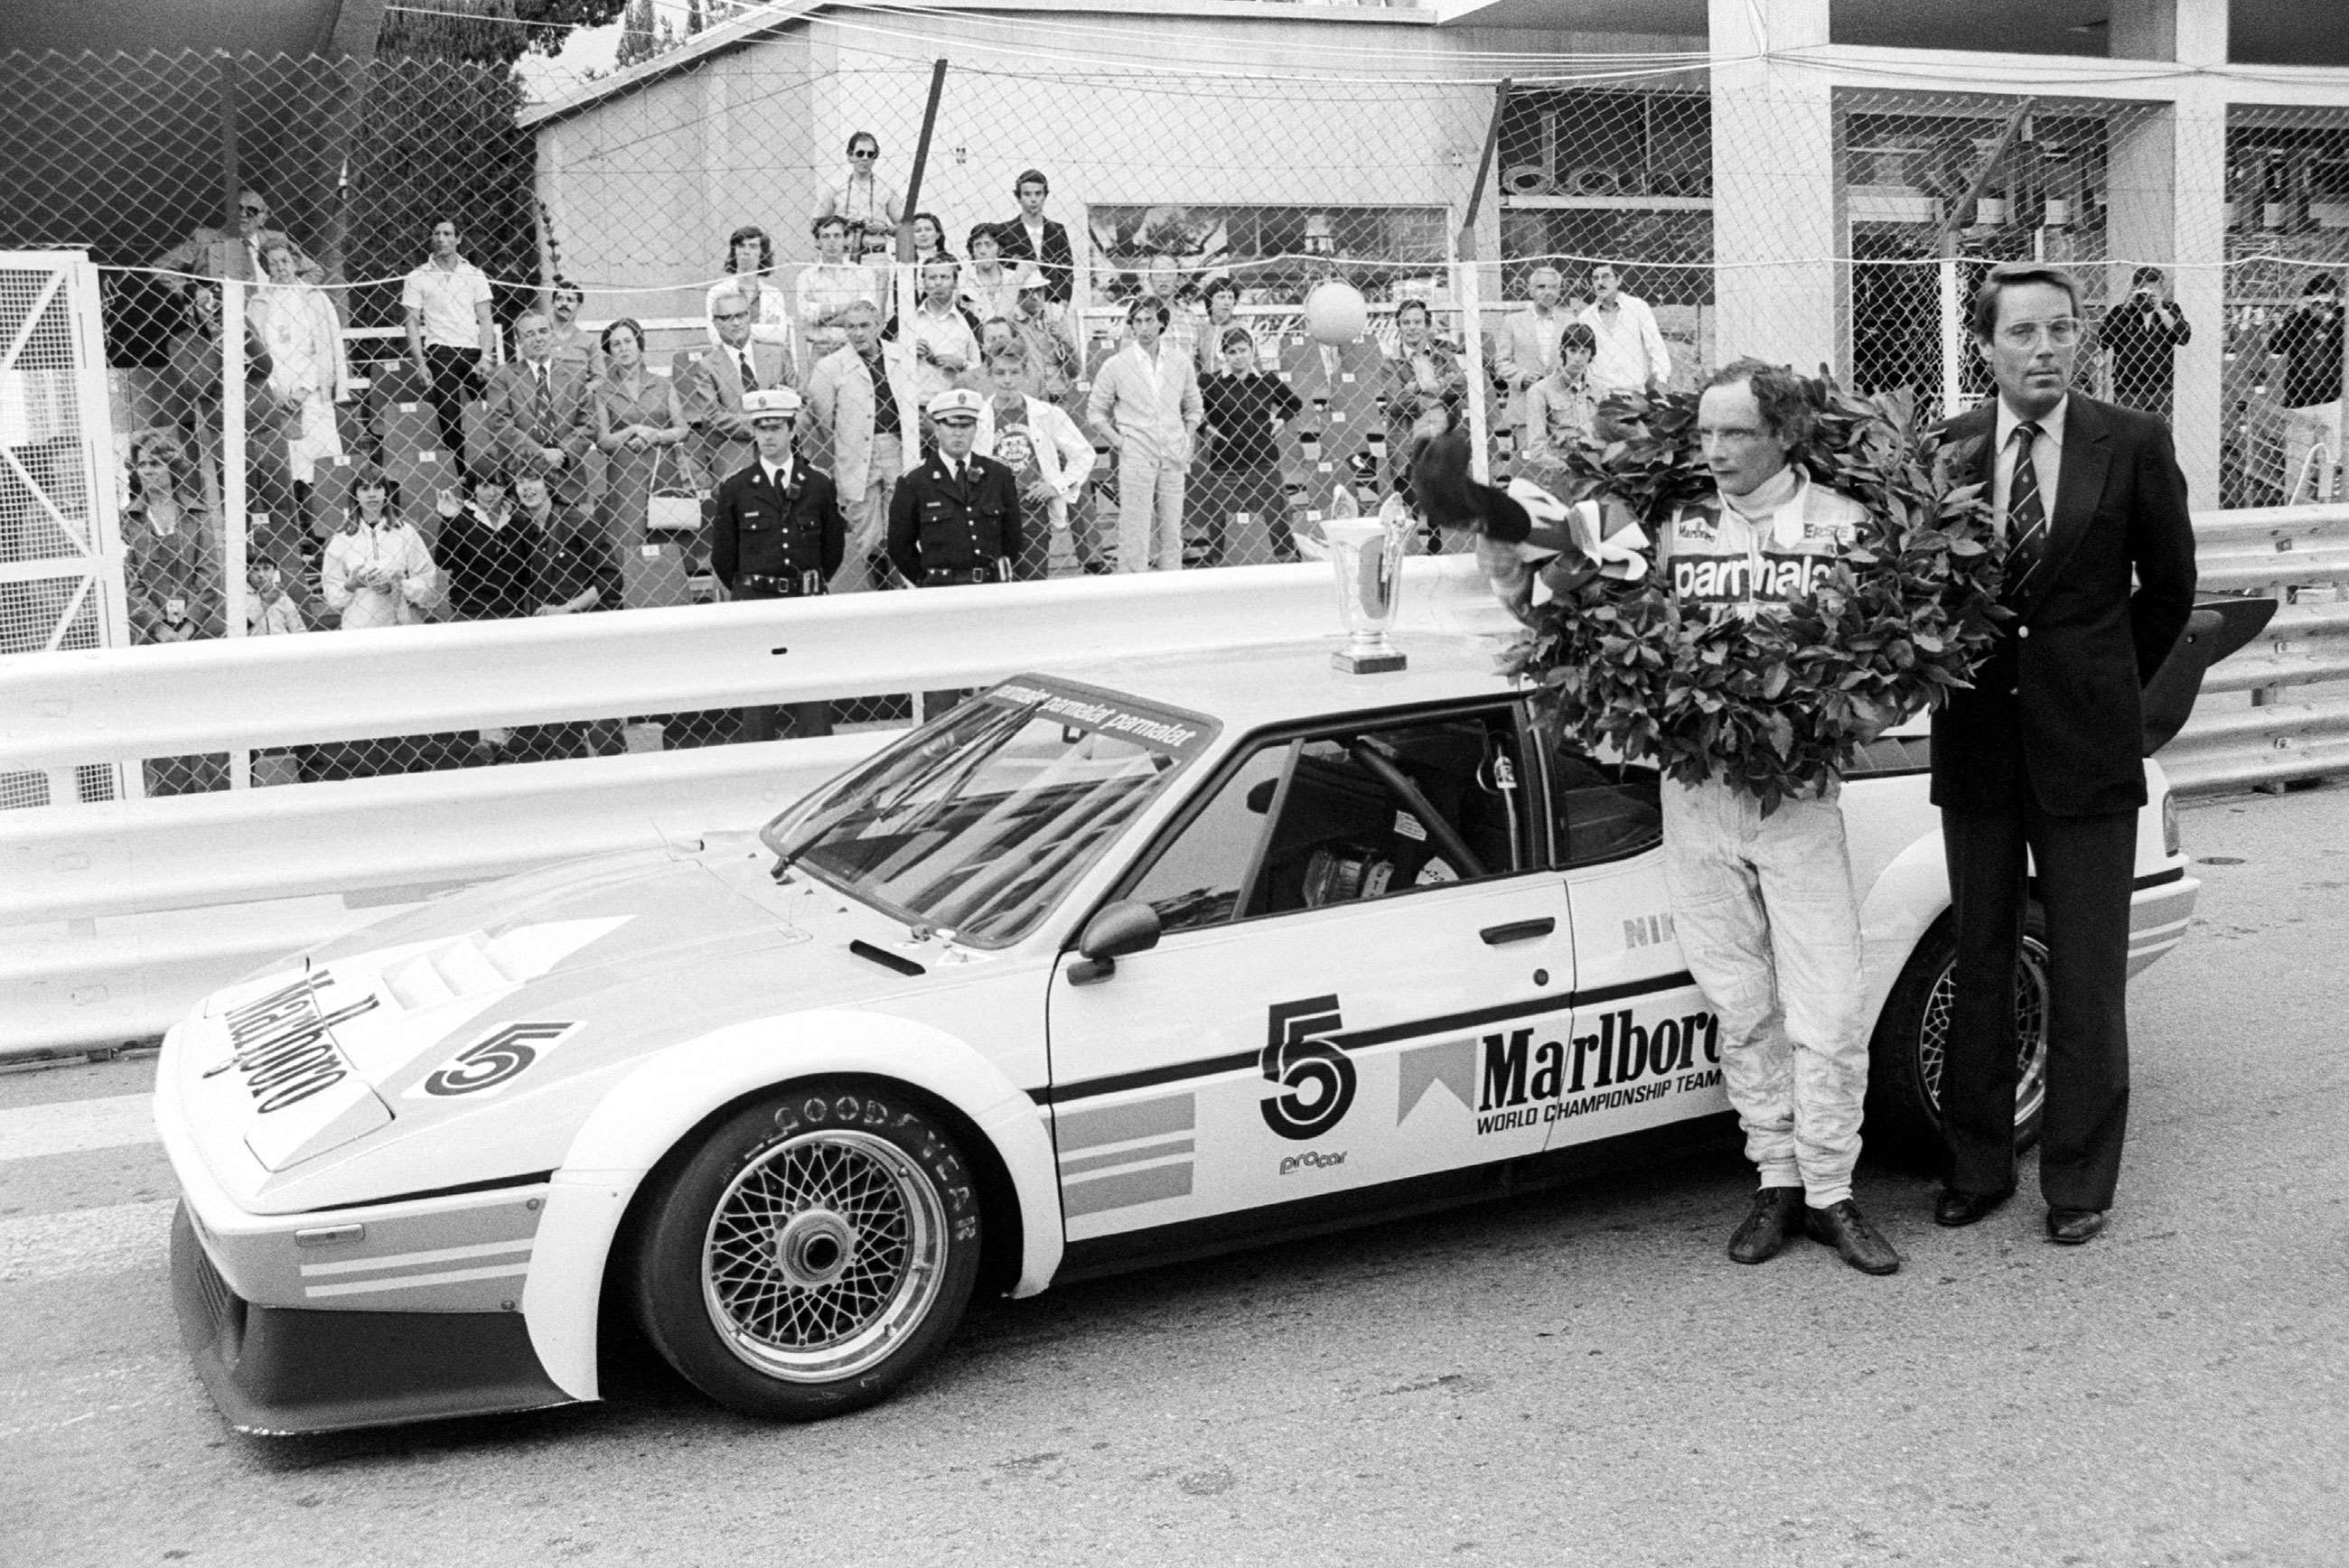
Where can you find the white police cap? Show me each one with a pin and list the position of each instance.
(957, 403)
(771, 403)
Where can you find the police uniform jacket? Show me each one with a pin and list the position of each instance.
(778, 544)
(941, 531)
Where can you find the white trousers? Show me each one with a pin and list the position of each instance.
(1770, 928)
(1149, 507)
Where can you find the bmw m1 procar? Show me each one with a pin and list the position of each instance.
(1092, 972)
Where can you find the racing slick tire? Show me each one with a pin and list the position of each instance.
(817, 1248)
(1904, 1071)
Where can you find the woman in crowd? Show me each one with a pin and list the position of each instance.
(572, 345)
(1423, 373)
(1246, 411)
(930, 240)
(830, 287)
(637, 417)
(990, 291)
(751, 259)
(376, 572)
(170, 576)
(486, 551)
(308, 371)
(1561, 409)
(872, 209)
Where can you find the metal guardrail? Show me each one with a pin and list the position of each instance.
(116, 916)
(2296, 673)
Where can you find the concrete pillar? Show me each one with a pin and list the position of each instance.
(1775, 233)
(2167, 190)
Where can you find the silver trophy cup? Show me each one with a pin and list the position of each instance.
(1368, 557)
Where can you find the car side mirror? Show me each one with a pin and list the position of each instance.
(1115, 930)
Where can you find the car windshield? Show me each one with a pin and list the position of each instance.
(976, 827)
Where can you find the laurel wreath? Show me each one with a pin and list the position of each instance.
(1776, 705)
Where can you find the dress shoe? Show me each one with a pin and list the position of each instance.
(1956, 1208)
(2073, 1226)
(1776, 1212)
(1844, 1228)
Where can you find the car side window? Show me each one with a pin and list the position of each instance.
(1599, 811)
(1199, 877)
(1375, 812)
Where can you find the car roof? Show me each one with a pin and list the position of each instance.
(1248, 687)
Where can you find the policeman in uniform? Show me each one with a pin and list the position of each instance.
(956, 518)
(776, 533)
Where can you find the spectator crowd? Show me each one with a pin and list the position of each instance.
(561, 470)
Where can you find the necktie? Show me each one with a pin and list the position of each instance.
(750, 376)
(2026, 513)
(545, 397)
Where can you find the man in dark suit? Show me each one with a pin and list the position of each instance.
(538, 409)
(2042, 753)
(1034, 238)
(776, 533)
(956, 518)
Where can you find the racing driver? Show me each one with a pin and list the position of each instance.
(1763, 904)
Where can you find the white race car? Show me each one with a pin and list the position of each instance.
(1090, 973)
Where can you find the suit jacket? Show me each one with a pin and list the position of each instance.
(756, 529)
(840, 406)
(708, 384)
(223, 253)
(1521, 355)
(1058, 263)
(936, 524)
(2056, 706)
(514, 421)
(1351, 406)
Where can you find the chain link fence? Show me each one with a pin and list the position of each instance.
(1586, 260)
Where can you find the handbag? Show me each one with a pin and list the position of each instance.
(673, 506)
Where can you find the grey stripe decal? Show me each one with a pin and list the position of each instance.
(1123, 1123)
(1124, 1191)
(1084, 1163)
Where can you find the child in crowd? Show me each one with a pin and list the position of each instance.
(269, 610)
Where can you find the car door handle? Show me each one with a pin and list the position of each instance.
(1518, 931)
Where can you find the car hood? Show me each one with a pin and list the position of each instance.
(465, 1041)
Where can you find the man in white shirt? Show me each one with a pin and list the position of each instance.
(1631, 355)
(827, 287)
(1145, 403)
(450, 334)
(943, 342)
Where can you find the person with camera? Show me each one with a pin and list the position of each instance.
(2141, 336)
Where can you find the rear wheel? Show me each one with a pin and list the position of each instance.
(814, 1250)
(1911, 1043)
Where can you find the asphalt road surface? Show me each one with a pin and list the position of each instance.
(1577, 1378)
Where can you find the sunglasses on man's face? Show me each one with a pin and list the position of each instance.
(254, 212)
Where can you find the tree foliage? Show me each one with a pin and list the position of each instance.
(489, 32)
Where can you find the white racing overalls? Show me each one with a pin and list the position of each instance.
(1763, 905)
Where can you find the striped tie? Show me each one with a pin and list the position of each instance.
(2026, 514)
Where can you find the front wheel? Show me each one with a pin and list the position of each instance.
(817, 1248)
(1911, 1043)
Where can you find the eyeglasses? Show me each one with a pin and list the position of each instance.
(866, 152)
(254, 211)
(732, 316)
(2062, 332)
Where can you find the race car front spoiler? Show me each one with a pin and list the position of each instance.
(280, 1371)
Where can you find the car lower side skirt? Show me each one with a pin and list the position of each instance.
(285, 1370)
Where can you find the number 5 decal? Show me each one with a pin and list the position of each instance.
(1317, 1078)
(492, 1062)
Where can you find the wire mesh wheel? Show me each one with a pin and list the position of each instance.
(822, 1254)
(2030, 1032)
